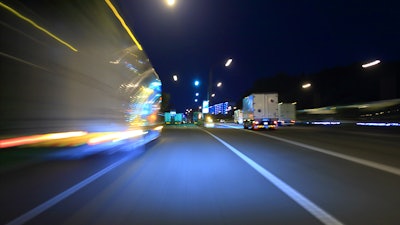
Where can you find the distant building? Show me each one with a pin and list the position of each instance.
(221, 108)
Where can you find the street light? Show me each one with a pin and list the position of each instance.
(219, 84)
(316, 98)
(175, 77)
(373, 63)
(170, 2)
(196, 83)
(227, 64)
(306, 85)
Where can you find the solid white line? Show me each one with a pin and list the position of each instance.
(364, 162)
(312, 208)
(58, 198)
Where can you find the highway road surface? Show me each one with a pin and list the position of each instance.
(222, 175)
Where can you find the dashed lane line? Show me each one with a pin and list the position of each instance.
(311, 207)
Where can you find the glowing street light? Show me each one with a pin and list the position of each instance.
(373, 63)
(307, 85)
(175, 77)
(197, 94)
(228, 62)
(210, 75)
(213, 95)
(170, 2)
(196, 83)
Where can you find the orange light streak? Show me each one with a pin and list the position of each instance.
(25, 140)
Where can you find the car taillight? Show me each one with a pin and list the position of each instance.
(275, 122)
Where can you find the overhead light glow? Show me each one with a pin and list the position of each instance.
(175, 77)
(306, 85)
(170, 2)
(371, 64)
(228, 62)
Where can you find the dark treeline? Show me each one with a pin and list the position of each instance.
(336, 86)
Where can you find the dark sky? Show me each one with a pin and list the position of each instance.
(263, 37)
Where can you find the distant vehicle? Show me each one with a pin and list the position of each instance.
(260, 111)
(286, 114)
(167, 118)
(238, 116)
(196, 117)
(209, 122)
(178, 118)
(173, 117)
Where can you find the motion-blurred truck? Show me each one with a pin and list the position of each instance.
(260, 111)
(286, 114)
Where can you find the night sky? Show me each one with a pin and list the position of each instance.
(262, 37)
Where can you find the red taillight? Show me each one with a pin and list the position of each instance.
(275, 122)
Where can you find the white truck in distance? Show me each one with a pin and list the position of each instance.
(238, 116)
(260, 111)
(287, 114)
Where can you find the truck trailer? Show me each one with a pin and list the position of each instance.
(260, 111)
(286, 114)
(238, 116)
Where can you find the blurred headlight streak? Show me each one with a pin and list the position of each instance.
(325, 123)
(382, 124)
(158, 128)
(33, 139)
(108, 86)
(114, 136)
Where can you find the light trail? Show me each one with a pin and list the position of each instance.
(121, 20)
(37, 26)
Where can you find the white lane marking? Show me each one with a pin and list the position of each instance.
(389, 169)
(58, 198)
(312, 208)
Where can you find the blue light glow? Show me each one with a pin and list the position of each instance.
(382, 124)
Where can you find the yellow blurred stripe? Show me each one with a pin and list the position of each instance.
(37, 26)
(121, 20)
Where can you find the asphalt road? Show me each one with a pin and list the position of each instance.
(222, 175)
